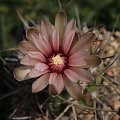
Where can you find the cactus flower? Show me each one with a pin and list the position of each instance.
(56, 56)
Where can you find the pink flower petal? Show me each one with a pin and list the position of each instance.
(77, 59)
(55, 40)
(40, 83)
(60, 24)
(41, 66)
(27, 60)
(68, 41)
(70, 26)
(25, 46)
(84, 42)
(46, 30)
(73, 88)
(84, 75)
(72, 75)
(75, 40)
(77, 63)
(52, 90)
(39, 69)
(42, 44)
(36, 73)
(52, 77)
(37, 42)
(31, 32)
(58, 83)
(92, 61)
(21, 73)
(79, 55)
(37, 55)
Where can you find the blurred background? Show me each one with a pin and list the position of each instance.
(90, 12)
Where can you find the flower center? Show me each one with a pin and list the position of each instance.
(57, 60)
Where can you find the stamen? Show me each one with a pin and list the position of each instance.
(57, 60)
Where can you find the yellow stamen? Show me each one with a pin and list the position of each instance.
(57, 60)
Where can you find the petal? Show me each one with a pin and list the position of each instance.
(55, 40)
(40, 83)
(80, 55)
(37, 55)
(92, 61)
(77, 63)
(27, 60)
(52, 77)
(42, 44)
(73, 76)
(31, 32)
(60, 24)
(39, 43)
(58, 83)
(41, 66)
(36, 73)
(73, 88)
(70, 26)
(46, 29)
(25, 46)
(83, 43)
(52, 90)
(68, 41)
(47, 44)
(77, 59)
(21, 73)
(75, 39)
(84, 75)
